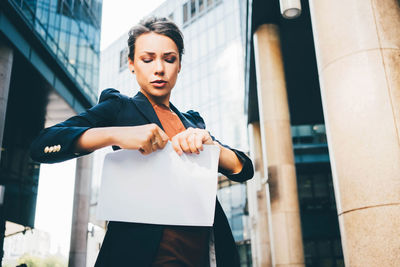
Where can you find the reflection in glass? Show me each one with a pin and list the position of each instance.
(185, 12)
(201, 5)
(192, 8)
(71, 29)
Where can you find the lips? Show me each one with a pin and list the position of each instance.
(159, 83)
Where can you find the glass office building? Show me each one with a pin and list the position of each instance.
(211, 82)
(52, 49)
(71, 29)
(320, 227)
(315, 228)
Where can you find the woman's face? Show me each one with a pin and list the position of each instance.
(156, 65)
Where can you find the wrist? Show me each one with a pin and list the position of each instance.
(110, 136)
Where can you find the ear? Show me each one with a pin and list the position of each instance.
(130, 65)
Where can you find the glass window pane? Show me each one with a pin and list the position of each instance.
(337, 246)
(192, 8)
(171, 16)
(310, 249)
(320, 186)
(211, 38)
(201, 5)
(305, 187)
(238, 200)
(324, 248)
(72, 52)
(185, 12)
(220, 34)
(62, 42)
(203, 45)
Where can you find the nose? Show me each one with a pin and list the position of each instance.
(159, 68)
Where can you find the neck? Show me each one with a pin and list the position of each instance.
(154, 100)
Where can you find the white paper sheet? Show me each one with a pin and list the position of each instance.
(160, 188)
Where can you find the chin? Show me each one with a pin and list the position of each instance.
(158, 92)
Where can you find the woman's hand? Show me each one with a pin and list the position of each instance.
(146, 138)
(191, 140)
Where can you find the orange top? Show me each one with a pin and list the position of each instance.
(186, 245)
(169, 120)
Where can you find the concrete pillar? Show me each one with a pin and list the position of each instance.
(258, 200)
(6, 61)
(278, 148)
(358, 53)
(80, 213)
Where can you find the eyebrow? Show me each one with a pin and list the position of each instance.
(165, 54)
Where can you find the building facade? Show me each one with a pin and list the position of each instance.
(211, 82)
(322, 104)
(49, 56)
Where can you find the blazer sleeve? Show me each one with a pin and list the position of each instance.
(57, 143)
(247, 171)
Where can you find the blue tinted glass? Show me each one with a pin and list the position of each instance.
(62, 41)
(71, 29)
(73, 51)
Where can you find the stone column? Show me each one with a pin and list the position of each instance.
(278, 148)
(358, 53)
(6, 61)
(259, 208)
(80, 213)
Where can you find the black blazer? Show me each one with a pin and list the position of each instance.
(133, 244)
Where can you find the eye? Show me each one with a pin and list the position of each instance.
(146, 60)
(170, 59)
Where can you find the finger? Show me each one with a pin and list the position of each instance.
(176, 146)
(156, 141)
(205, 136)
(162, 138)
(191, 142)
(147, 146)
(163, 135)
(154, 144)
(145, 151)
(199, 142)
(184, 144)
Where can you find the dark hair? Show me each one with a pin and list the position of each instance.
(162, 26)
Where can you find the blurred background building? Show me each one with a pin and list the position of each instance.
(313, 99)
(327, 80)
(291, 200)
(49, 57)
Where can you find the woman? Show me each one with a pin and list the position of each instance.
(146, 122)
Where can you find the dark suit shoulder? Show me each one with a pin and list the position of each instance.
(196, 118)
(110, 93)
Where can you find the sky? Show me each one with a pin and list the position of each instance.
(56, 182)
(120, 15)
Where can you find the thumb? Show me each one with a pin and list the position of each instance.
(164, 136)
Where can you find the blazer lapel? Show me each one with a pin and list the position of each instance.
(147, 110)
(145, 107)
